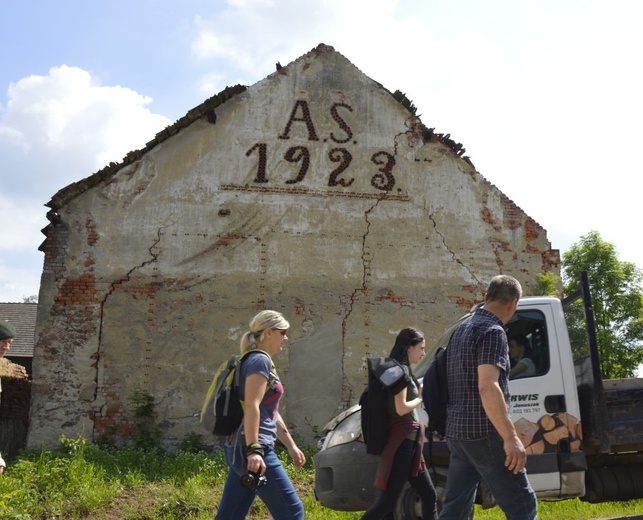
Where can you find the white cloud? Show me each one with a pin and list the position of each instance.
(208, 45)
(55, 130)
(211, 84)
(19, 282)
(548, 110)
(69, 114)
(20, 229)
(251, 35)
(547, 107)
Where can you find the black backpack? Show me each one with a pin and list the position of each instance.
(384, 375)
(435, 393)
(222, 412)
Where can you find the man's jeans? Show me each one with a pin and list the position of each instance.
(278, 493)
(484, 458)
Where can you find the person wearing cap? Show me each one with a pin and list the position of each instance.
(7, 333)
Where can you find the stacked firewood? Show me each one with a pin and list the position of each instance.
(546, 435)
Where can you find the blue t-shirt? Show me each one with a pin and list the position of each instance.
(269, 408)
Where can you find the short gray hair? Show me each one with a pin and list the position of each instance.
(503, 289)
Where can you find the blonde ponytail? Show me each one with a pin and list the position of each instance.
(258, 325)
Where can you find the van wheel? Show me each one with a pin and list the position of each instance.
(409, 505)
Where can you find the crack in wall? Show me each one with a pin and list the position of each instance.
(154, 257)
(366, 273)
(416, 133)
(451, 252)
(97, 355)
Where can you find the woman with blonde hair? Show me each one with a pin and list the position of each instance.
(254, 468)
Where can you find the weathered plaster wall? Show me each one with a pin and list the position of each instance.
(313, 192)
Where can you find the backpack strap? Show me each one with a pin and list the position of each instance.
(273, 370)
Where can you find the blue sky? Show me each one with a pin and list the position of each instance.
(544, 95)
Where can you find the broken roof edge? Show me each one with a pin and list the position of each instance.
(69, 192)
(207, 109)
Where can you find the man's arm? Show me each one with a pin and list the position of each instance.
(495, 407)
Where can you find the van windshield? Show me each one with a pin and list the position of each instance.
(420, 369)
(528, 324)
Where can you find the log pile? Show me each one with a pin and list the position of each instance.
(546, 435)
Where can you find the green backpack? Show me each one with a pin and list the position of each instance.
(222, 411)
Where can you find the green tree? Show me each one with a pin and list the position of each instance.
(617, 297)
(546, 285)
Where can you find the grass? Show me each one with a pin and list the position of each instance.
(84, 481)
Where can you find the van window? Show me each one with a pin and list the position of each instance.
(528, 327)
(528, 345)
(420, 369)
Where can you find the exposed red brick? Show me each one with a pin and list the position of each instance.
(498, 244)
(486, 216)
(300, 306)
(532, 230)
(390, 296)
(463, 303)
(78, 290)
(92, 235)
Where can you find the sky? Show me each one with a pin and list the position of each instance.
(545, 95)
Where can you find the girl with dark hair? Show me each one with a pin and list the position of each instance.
(402, 458)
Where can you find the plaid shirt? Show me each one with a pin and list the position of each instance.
(481, 340)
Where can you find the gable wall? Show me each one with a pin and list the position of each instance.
(152, 275)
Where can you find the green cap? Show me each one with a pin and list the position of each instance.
(6, 330)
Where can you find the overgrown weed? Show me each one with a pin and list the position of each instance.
(81, 481)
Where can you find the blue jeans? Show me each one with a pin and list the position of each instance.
(484, 458)
(278, 493)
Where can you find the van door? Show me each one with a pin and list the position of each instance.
(540, 409)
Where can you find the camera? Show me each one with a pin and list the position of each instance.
(253, 480)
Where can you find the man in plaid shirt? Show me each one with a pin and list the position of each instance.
(479, 432)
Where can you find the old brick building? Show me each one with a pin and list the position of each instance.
(315, 192)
